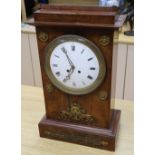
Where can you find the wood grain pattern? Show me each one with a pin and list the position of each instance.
(94, 8)
(32, 111)
(50, 15)
(78, 17)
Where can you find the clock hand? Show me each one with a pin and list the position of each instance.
(69, 74)
(69, 60)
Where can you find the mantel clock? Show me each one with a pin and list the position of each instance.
(75, 49)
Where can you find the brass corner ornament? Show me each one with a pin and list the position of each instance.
(75, 113)
(103, 95)
(43, 36)
(49, 88)
(104, 40)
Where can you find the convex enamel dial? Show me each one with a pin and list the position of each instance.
(74, 64)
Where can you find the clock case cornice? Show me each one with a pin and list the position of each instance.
(77, 16)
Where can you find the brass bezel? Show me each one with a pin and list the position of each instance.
(95, 49)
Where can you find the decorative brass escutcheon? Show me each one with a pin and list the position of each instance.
(49, 88)
(104, 40)
(43, 36)
(103, 95)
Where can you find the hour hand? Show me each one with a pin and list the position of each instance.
(69, 74)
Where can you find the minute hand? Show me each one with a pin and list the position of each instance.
(69, 60)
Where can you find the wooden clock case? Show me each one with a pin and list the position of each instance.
(81, 119)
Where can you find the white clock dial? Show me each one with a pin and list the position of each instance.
(73, 64)
(86, 65)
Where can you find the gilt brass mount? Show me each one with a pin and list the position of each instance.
(103, 95)
(75, 113)
(49, 88)
(104, 40)
(43, 36)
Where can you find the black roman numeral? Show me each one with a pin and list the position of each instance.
(73, 47)
(92, 68)
(89, 77)
(82, 51)
(90, 59)
(55, 65)
(58, 73)
(56, 56)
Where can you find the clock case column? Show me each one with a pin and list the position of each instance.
(97, 25)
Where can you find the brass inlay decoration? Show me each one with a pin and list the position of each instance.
(103, 95)
(104, 40)
(84, 139)
(43, 36)
(104, 143)
(49, 88)
(75, 113)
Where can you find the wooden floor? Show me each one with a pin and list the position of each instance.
(32, 144)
